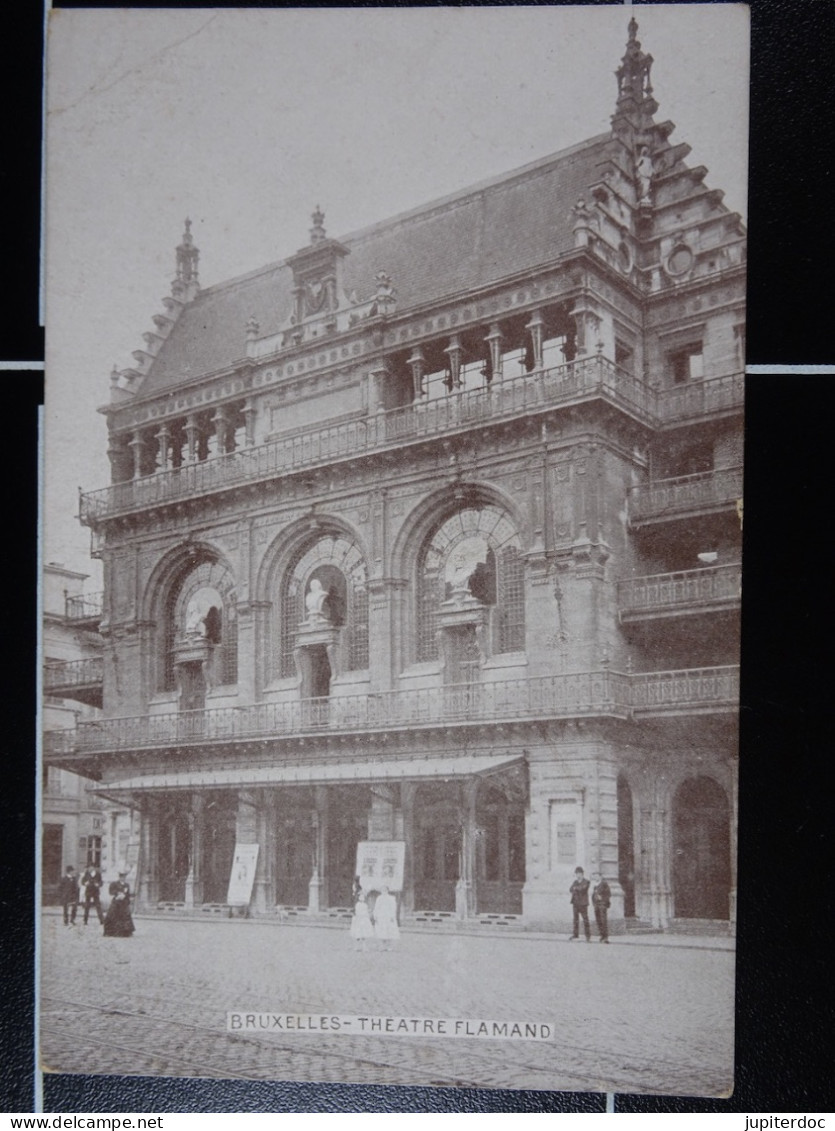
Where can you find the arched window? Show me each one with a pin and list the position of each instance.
(336, 562)
(201, 604)
(477, 549)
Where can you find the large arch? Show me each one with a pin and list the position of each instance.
(286, 570)
(439, 505)
(701, 839)
(190, 575)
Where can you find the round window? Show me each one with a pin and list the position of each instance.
(680, 260)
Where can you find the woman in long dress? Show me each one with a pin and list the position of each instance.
(362, 928)
(385, 919)
(118, 922)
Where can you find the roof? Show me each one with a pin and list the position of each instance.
(482, 234)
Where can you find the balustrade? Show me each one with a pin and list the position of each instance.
(685, 590)
(685, 494)
(602, 693)
(73, 673)
(83, 606)
(460, 410)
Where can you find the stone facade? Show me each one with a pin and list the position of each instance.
(432, 534)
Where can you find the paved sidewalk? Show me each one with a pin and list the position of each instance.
(637, 1015)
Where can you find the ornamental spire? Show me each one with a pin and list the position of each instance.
(634, 83)
(317, 232)
(186, 284)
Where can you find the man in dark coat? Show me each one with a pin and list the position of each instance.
(601, 897)
(580, 903)
(68, 894)
(91, 881)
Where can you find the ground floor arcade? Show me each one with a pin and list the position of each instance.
(486, 833)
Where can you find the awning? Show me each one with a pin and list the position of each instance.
(314, 773)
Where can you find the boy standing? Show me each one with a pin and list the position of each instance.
(580, 903)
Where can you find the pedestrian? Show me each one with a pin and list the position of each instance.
(385, 919)
(580, 903)
(118, 922)
(68, 892)
(362, 929)
(601, 897)
(91, 881)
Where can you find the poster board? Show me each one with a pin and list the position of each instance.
(242, 875)
(380, 864)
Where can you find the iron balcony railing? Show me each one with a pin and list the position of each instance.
(688, 590)
(691, 689)
(700, 398)
(602, 693)
(685, 494)
(586, 378)
(58, 742)
(83, 606)
(59, 674)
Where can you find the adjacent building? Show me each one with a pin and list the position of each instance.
(431, 533)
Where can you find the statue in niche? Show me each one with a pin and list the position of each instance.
(315, 601)
(644, 171)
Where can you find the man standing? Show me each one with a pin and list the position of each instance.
(68, 894)
(91, 881)
(601, 897)
(580, 903)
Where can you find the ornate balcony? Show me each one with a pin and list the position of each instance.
(81, 680)
(604, 694)
(84, 607)
(685, 496)
(686, 692)
(585, 379)
(709, 589)
(715, 396)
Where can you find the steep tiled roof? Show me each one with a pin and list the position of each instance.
(472, 238)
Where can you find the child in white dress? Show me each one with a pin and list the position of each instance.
(362, 928)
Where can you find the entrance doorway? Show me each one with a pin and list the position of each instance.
(500, 852)
(174, 855)
(347, 825)
(437, 847)
(218, 846)
(294, 850)
(701, 851)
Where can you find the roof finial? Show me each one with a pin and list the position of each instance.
(185, 285)
(633, 75)
(317, 232)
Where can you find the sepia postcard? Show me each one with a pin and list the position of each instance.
(392, 528)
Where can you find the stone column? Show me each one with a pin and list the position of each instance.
(416, 363)
(454, 352)
(194, 880)
(148, 880)
(137, 443)
(535, 329)
(163, 439)
(192, 434)
(377, 386)
(263, 896)
(250, 416)
(656, 896)
(120, 458)
(220, 423)
(318, 888)
(494, 343)
(465, 893)
(407, 807)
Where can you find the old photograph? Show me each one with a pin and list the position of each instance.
(392, 545)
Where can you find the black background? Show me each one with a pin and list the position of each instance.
(784, 1025)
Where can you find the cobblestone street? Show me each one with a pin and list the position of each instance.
(643, 1014)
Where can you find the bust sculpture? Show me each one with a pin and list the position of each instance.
(315, 600)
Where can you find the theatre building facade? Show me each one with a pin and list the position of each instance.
(431, 533)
